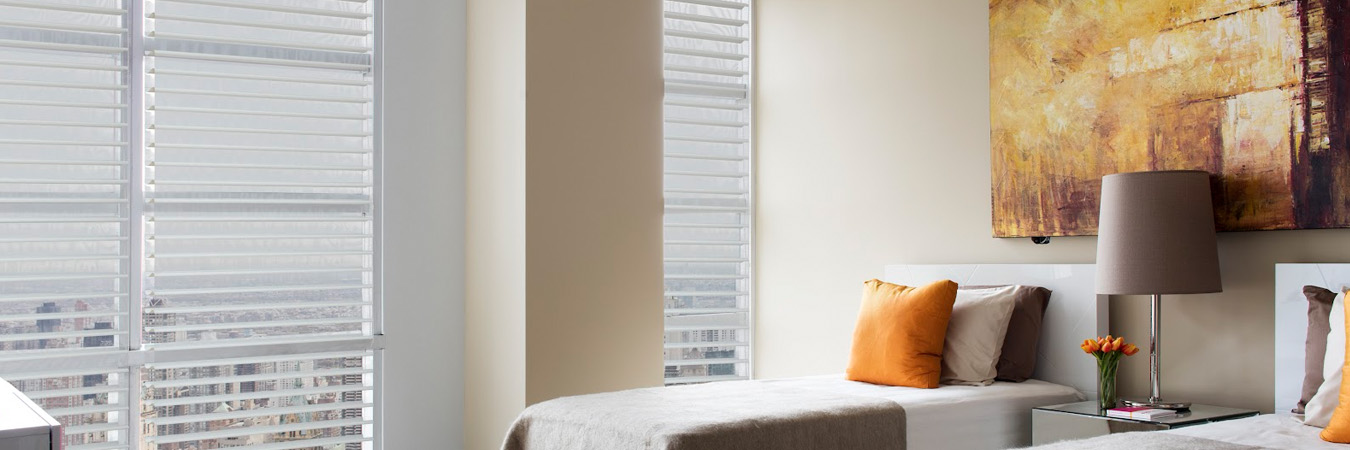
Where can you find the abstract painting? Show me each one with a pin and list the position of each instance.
(1256, 92)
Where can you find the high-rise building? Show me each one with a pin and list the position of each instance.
(248, 369)
(48, 325)
(100, 341)
(81, 323)
(151, 320)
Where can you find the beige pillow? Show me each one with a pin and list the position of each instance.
(975, 335)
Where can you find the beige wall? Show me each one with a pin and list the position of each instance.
(495, 291)
(565, 205)
(593, 216)
(873, 148)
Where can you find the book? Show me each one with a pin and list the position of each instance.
(1140, 413)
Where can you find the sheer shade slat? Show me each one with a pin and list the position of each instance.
(707, 190)
(247, 396)
(98, 447)
(717, 3)
(250, 59)
(86, 7)
(189, 418)
(325, 442)
(275, 26)
(278, 7)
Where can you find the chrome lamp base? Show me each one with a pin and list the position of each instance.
(1158, 404)
(1154, 361)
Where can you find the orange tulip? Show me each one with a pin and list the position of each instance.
(1118, 343)
(1130, 349)
(1109, 347)
(1091, 346)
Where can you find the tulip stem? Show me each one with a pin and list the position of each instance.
(1107, 363)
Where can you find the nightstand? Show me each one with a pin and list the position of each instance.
(1084, 420)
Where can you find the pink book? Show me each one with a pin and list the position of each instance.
(1139, 413)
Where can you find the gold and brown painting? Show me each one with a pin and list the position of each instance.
(1256, 92)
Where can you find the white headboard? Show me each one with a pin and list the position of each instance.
(1075, 311)
(1291, 322)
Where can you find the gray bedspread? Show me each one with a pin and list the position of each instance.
(1143, 441)
(726, 416)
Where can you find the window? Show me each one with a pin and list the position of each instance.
(707, 191)
(188, 233)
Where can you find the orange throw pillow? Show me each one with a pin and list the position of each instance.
(1338, 430)
(900, 332)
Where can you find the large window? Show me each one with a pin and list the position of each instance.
(188, 234)
(707, 190)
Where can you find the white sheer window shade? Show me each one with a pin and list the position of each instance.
(64, 207)
(185, 175)
(707, 190)
(259, 171)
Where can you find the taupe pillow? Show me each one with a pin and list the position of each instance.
(1315, 348)
(1018, 359)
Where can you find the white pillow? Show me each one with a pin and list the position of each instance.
(975, 335)
(1318, 411)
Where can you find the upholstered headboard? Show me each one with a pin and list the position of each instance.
(1075, 311)
(1291, 322)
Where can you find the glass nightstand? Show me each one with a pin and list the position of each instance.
(1084, 420)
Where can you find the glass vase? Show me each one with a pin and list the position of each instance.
(1106, 382)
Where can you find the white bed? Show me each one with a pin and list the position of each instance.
(1267, 431)
(956, 417)
(1281, 430)
(949, 417)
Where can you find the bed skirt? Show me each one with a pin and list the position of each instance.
(725, 416)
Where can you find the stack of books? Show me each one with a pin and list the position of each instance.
(1140, 413)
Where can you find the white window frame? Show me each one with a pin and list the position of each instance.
(132, 359)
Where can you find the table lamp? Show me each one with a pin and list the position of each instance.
(1156, 237)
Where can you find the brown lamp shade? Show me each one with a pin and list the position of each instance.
(1156, 234)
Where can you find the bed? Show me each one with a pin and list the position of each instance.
(822, 412)
(1281, 430)
(1265, 431)
(1269, 431)
(955, 417)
